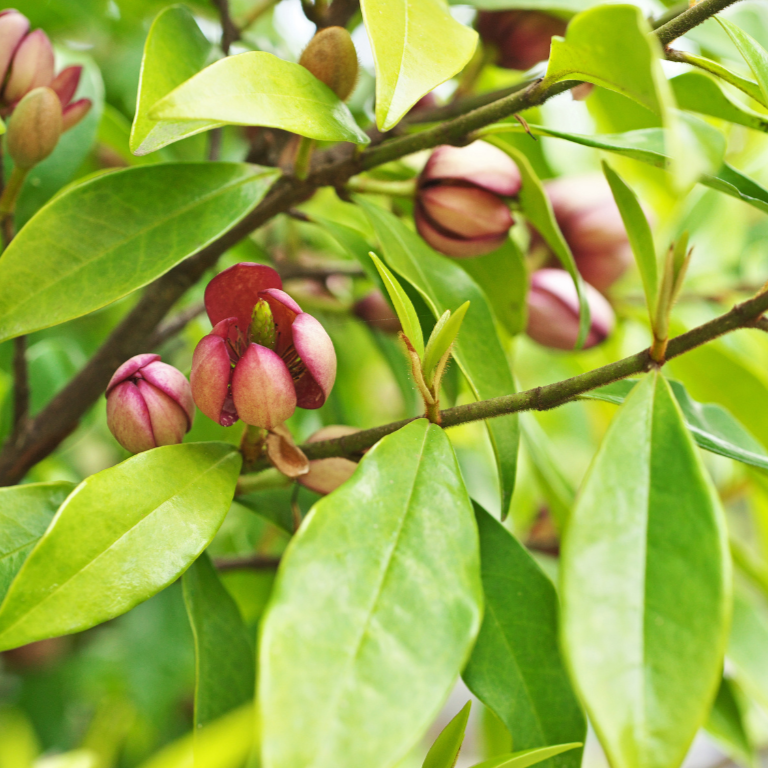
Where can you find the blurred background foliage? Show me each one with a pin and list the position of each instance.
(124, 689)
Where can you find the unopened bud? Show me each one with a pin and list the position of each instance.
(13, 27)
(32, 66)
(34, 128)
(521, 38)
(331, 57)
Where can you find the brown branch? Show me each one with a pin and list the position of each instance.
(175, 325)
(230, 33)
(686, 21)
(248, 562)
(20, 385)
(330, 168)
(340, 13)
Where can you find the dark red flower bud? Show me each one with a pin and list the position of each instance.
(521, 38)
(553, 311)
(460, 207)
(13, 27)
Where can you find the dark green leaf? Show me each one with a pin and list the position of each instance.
(445, 750)
(633, 597)
(478, 351)
(726, 724)
(225, 676)
(113, 234)
(376, 606)
(515, 667)
(138, 526)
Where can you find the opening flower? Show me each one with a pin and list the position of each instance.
(264, 355)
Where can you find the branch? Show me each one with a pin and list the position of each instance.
(330, 168)
(230, 33)
(689, 19)
(249, 562)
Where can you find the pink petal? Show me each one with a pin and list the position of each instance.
(456, 247)
(210, 377)
(168, 419)
(74, 113)
(466, 212)
(13, 27)
(316, 351)
(128, 418)
(129, 367)
(284, 311)
(66, 82)
(262, 388)
(234, 292)
(174, 384)
(32, 66)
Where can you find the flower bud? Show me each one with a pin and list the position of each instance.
(34, 128)
(521, 38)
(65, 85)
(13, 27)
(553, 311)
(32, 66)
(149, 403)
(375, 310)
(326, 475)
(331, 57)
(460, 210)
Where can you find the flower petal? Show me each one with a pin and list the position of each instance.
(129, 367)
(466, 212)
(234, 292)
(316, 351)
(128, 418)
(32, 66)
(284, 311)
(73, 113)
(262, 388)
(174, 384)
(456, 247)
(210, 378)
(168, 419)
(326, 475)
(13, 27)
(66, 82)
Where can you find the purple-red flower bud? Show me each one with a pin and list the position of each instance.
(521, 38)
(264, 355)
(460, 207)
(13, 27)
(376, 311)
(149, 404)
(553, 311)
(32, 66)
(326, 475)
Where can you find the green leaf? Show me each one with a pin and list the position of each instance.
(701, 93)
(754, 54)
(25, 513)
(734, 183)
(225, 676)
(713, 427)
(632, 597)
(478, 351)
(175, 50)
(376, 606)
(726, 724)
(445, 750)
(525, 757)
(441, 339)
(117, 232)
(417, 45)
(639, 232)
(560, 7)
(747, 86)
(403, 306)
(257, 88)
(538, 210)
(2, 127)
(515, 667)
(137, 526)
(748, 647)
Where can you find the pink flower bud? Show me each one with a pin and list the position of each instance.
(32, 66)
(521, 38)
(553, 311)
(375, 310)
(326, 475)
(13, 27)
(460, 210)
(34, 128)
(149, 404)
(264, 355)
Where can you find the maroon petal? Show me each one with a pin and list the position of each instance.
(210, 376)
(129, 367)
(65, 83)
(174, 384)
(168, 419)
(13, 27)
(315, 348)
(74, 113)
(234, 292)
(262, 388)
(128, 418)
(32, 66)
(284, 312)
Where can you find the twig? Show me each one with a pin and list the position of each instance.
(20, 385)
(340, 13)
(686, 21)
(230, 33)
(249, 562)
(175, 325)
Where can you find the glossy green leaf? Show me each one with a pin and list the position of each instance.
(478, 351)
(225, 676)
(713, 427)
(175, 51)
(138, 526)
(526, 757)
(734, 183)
(445, 750)
(417, 45)
(25, 513)
(515, 667)
(754, 54)
(443, 335)
(700, 93)
(632, 598)
(726, 724)
(403, 306)
(375, 608)
(538, 210)
(95, 243)
(257, 88)
(748, 647)
(561, 7)
(639, 232)
(747, 86)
